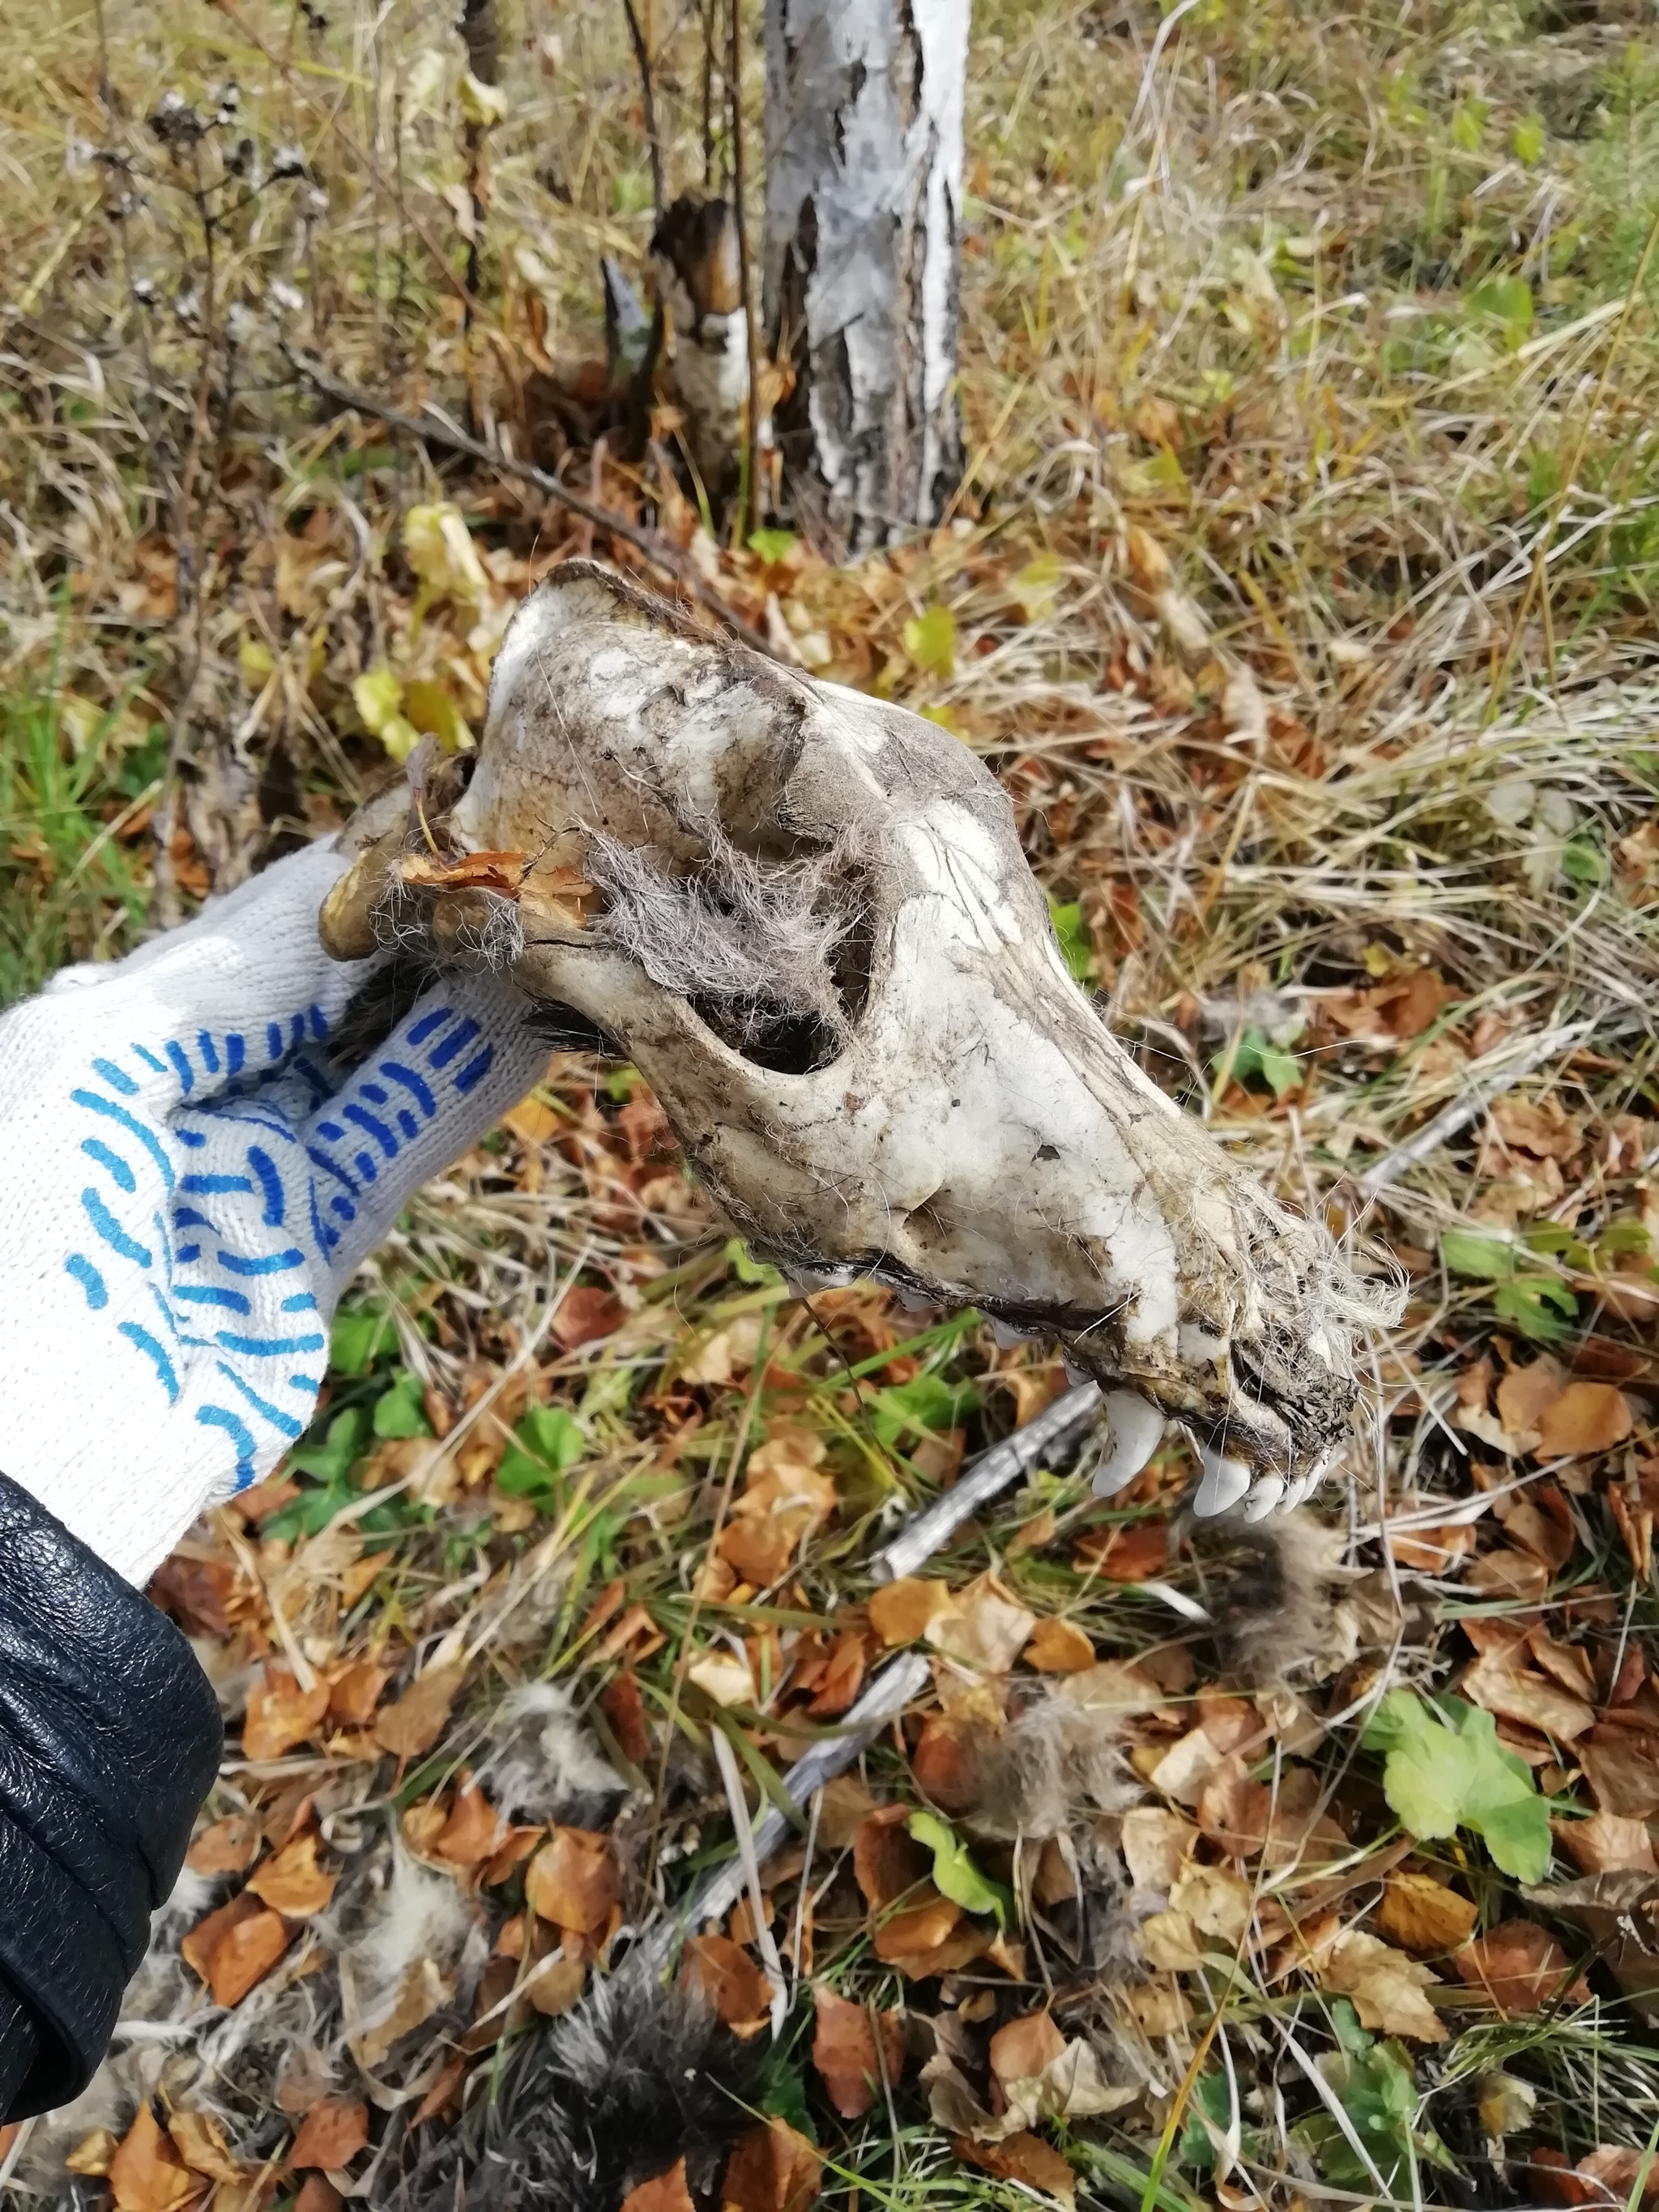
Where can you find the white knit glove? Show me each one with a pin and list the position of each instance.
(186, 1183)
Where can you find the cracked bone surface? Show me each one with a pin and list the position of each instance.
(806, 916)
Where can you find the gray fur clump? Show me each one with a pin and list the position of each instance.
(1054, 1764)
(759, 936)
(638, 2076)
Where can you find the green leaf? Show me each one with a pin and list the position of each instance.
(401, 1411)
(1538, 1306)
(333, 1459)
(1257, 1054)
(1528, 140)
(630, 192)
(773, 546)
(1489, 1257)
(954, 1875)
(1075, 942)
(545, 1443)
(1506, 301)
(1035, 587)
(925, 1403)
(1469, 125)
(930, 639)
(361, 1335)
(1438, 1779)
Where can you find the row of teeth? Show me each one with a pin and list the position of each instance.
(1136, 1429)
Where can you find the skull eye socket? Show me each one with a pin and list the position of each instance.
(773, 952)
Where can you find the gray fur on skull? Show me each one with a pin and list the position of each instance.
(817, 938)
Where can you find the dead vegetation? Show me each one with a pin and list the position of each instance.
(1299, 591)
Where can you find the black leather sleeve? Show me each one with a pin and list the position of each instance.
(109, 1741)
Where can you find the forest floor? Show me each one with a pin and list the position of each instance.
(1300, 591)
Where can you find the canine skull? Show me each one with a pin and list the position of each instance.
(806, 916)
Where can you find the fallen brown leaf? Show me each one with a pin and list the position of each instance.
(1386, 1986)
(664, 2193)
(771, 2169)
(293, 1883)
(473, 1830)
(943, 1761)
(623, 1706)
(572, 1880)
(1024, 2047)
(587, 1314)
(1526, 1393)
(1155, 1843)
(355, 1691)
(1621, 1765)
(1421, 1915)
(146, 2174)
(199, 2141)
(330, 2135)
(317, 2194)
(229, 1846)
(1587, 1418)
(1518, 1965)
(905, 1612)
(732, 1981)
(845, 2054)
(281, 1715)
(1605, 1843)
(1059, 1647)
(887, 1861)
(417, 1720)
(555, 1986)
(988, 1629)
(90, 2156)
(1025, 2158)
(235, 1948)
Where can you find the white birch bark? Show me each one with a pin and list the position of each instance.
(861, 253)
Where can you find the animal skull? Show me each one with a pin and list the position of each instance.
(806, 916)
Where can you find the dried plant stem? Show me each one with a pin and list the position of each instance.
(433, 431)
(750, 506)
(648, 103)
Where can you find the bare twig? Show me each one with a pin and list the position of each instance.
(647, 101)
(750, 498)
(1457, 1116)
(433, 431)
(992, 1472)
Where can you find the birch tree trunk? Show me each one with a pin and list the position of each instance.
(861, 256)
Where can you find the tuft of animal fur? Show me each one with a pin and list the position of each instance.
(1276, 1593)
(638, 2076)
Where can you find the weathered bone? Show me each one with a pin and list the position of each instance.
(806, 916)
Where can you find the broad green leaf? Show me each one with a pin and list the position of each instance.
(1035, 587)
(545, 1443)
(1075, 942)
(401, 1412)
(773, 546)
(1538, 1306)
(954, 1875)
(1488, 1257)
(1469, 125)
(1438, 1779)
(1528, 140)
(359, 1335)
(926, 1402)
(930, 639)
(332, 1460)
(1257, 1054)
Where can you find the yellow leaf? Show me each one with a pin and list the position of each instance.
(484, 105)
(435, 715)
(377, 697)
(439, 548)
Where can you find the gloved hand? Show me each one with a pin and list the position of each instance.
(187, 1184)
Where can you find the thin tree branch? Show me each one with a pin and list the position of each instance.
(433, 431)
(752, 455)
(647, 101)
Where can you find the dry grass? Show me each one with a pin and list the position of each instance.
(1300, 590)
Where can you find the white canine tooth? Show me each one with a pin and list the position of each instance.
(1135, 1429)
(1226, 1481)
(1264, 1496)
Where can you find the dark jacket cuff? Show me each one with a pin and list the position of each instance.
(109, 1740)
